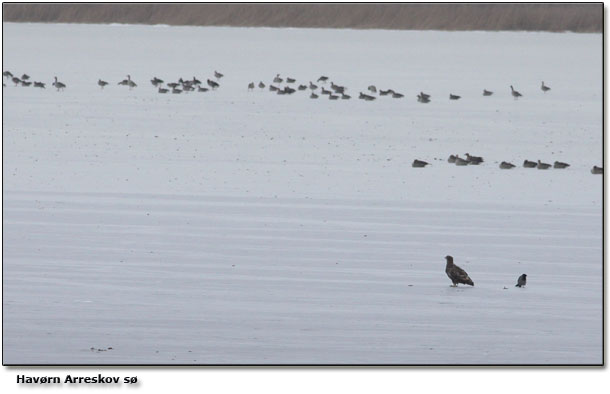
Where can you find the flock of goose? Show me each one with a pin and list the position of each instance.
(476, 160)
(339, 92)
(182, 85)
(25, 81)
(335, 92)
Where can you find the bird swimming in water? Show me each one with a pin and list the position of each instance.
(521, 281)
(456, 274)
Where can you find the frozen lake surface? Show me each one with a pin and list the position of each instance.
(237, 227)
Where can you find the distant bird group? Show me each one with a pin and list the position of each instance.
(458, 161)
(23, 81)
(544, 166)
(476, 160)
(186, 84)
(176, 87)
(457, 275)
(336, 92)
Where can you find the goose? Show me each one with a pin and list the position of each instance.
(101, 83)
(324, 91)
(273, 88)
(289, 90)
(515, 94)
(202, 89)
(176, 91)
(529, 164)
(559, 164)
(187, 87)
(424, 95)
(290, 80)
(597, 170)
(213, 84)
(322, 79)
(261, 85)
(25, 77)
(277, 79)
(251, 86)
(423, 99)
(59, 85)
(451, 159)
(384, 92)
(543, 166)
(39, 85)
(333, 97)
(454, 97)
(339, 89)
(366, 97)
(163, 90)
(506, 166)
(280, 91)
(25, 83)
(218, 75)
(156, 81)
(397, 95)
(419, 163)
(7, 74)
(487, 93)
(313, 95)
(16, 80)
(345, 96)
(173, 85)
(312, 86)
(131, 84)
(302, 87)
(544, 87)
(195, 81)
(372, 89)
(128, 82)
(474, 159)
(461, 162)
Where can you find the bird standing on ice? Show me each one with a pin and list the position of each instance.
(515, 94)
(521, 281)
(456, 274)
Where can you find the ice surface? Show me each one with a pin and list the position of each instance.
(247, 227)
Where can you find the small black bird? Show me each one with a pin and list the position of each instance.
(521, 281)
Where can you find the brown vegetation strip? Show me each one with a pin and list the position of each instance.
(531, 17)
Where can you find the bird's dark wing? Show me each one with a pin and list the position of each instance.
(458, 275)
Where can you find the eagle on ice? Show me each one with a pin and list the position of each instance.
(456, 274)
